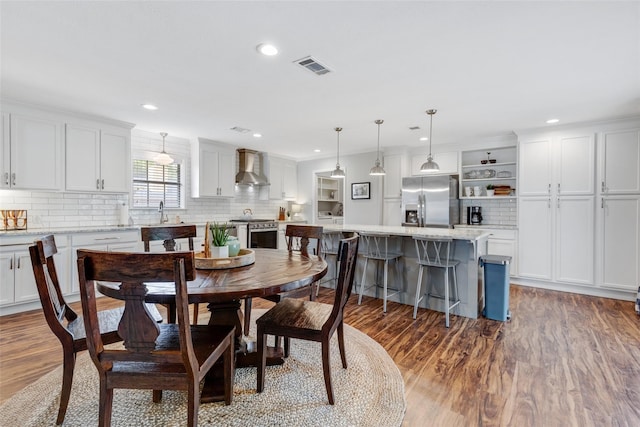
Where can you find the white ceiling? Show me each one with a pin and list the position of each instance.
(490, 68)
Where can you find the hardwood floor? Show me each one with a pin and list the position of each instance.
(562, 360)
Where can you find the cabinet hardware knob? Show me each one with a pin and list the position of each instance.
(6, 178)
(97, 184)
(103, 184)
(13, 178)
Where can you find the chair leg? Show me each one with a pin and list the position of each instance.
(446, 297)
(418, 287)
(262, 359)
(157, 396)
(364, 274)
(106, 404)
(343, 353)
(171, 312)
(312, 295)
(287, 344)
(326, 369)
(69, 362)
(193, 403)
(195, 313)
(385, 278)
(228, 372)
(247, 316)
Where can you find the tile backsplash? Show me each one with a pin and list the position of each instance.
(497, 211)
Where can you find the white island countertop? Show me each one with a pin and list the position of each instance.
(456, 234)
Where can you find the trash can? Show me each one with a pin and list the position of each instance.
(496, 286)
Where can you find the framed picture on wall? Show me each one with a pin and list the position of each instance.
(360, 190)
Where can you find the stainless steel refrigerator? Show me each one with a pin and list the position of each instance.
(430, 201)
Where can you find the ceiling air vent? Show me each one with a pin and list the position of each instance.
(313, 65)
(241, 130)
(414, 127)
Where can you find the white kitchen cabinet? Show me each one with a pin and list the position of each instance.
(620, 162)
(213, 168)
(32, 152)
(535, 238)
(97, 159)
(447, 161)
(574, 253)
(535, 167)
(283, 177)
(116, 241)
(619, 242)
(394, 166)
(392, 212)
(504, 242)
(17, 282)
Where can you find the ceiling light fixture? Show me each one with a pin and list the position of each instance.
(377, 170)
(257, 135)
(337, 172)
(552, 121)
(430, 165)
(163, 158)
(267, 49)
(149, 107)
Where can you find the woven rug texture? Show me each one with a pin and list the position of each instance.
(370, 392)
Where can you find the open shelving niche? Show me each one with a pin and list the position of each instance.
(506, 162)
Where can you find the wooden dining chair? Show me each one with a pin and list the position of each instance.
(297, 240)
(168, 234)
(62, 320)
(157, 357)
(311, 320)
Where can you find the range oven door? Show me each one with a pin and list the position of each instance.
(267, 239)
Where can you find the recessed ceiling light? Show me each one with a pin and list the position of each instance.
(424, 138)
(267, 49)
(149, 107)
(551, 121)
(257, 135)
(317, 150)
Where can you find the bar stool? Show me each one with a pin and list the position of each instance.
(380, 247)
(330, 243)
(436, 253)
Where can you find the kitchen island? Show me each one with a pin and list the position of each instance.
(468, 246)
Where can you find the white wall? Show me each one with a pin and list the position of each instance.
(356, 167)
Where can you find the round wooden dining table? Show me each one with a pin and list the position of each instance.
(273, 272)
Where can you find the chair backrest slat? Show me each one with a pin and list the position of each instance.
(433, 251)
(298, 238)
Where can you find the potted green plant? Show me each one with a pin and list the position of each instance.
(219, 239)
(490, 190)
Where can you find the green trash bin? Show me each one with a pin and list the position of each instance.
(496, 286)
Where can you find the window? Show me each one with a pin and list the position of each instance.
(153, 183)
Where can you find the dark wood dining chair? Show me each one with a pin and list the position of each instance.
(62, 320)
(168, 234)
(311, 320)
(157, 356)
(297, 240)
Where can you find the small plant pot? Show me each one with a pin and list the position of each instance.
(490, 193)
(219, 251)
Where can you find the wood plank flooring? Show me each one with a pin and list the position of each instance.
(562, 360)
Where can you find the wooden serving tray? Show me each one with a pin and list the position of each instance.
(245, 257)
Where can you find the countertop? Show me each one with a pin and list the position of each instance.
(459, 234)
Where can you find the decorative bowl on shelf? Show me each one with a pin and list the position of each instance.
(484, 162)
(492, 160)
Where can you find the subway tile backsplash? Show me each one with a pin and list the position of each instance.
(496, 211)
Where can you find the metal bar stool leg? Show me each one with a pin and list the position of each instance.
(446, 296)
(418, 295)
(364, 274)
(386, 276)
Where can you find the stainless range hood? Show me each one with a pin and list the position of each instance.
(246, 174)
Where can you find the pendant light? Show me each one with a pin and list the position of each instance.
(377, 169)
(338, 173)
(430, 165)
(163, 158)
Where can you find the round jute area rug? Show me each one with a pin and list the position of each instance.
(370, 392)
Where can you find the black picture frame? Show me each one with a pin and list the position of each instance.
(360, 190)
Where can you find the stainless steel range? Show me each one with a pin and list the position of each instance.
(261, 233)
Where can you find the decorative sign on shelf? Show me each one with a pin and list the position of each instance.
(13, 219)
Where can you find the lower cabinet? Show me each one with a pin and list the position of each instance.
(504, 242)
(17, 283)
(123, 241)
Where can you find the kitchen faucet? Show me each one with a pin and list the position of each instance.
(163, 218)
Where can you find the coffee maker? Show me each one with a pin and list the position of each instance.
(474, 215)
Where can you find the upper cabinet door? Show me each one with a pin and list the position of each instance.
(576, 165)
(36, 153)
(5, 152)
(115, 165)
(393, 165)
(621, 162)
(290, 180)
(83, 158)
(227, 175)
(534, 166)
